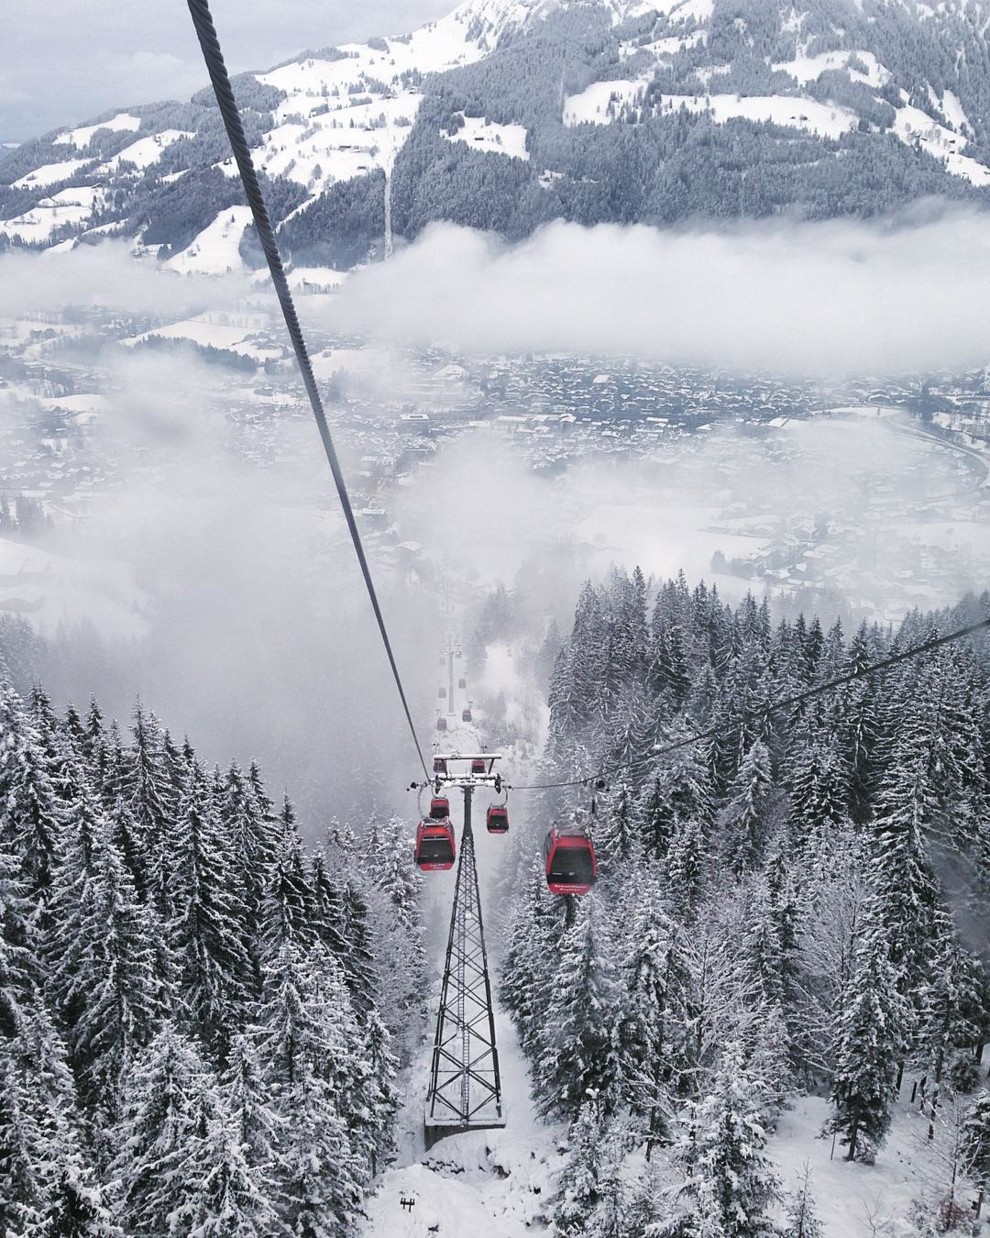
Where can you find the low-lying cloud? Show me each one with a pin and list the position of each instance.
(824, 299)
(107, 275)
(246, 617)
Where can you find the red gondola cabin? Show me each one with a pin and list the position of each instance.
(441, 723)
(478, 766)
(465, 715)
(439, 808)
(435, 845)
(570, 862)
(498, 819)
(440, 766)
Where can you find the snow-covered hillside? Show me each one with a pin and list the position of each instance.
(621, 110)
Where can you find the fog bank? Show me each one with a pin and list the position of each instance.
(824, 299)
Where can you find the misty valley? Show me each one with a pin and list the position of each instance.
(172, 556)
(494, 625)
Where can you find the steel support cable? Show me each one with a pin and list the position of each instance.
(797, 699)
(213, 55)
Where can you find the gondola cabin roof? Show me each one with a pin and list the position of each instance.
(571, 865)
(497, 819)
(435, 847)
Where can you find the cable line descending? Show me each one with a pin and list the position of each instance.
(599, 777)
(213, 56)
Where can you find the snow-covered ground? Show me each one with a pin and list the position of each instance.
(245, 334)
(486, 135)
(350, 115)
(50, 174)
(487, 1184)
(51, 590)
(145, 152)
(80, 138)
(215, 249)
(806, 69)
(68, 206)
(913, 125)
(854, 1200)
(599, 103)
(797, 112)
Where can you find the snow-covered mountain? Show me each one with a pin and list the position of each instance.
(508, 113)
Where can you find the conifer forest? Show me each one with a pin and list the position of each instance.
(202, 1021)
(191, 1040)
(796, 904)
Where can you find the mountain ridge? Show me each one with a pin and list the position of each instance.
(507, 114)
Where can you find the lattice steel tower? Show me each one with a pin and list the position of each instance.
(465, 1087)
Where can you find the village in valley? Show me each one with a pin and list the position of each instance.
(671, 432)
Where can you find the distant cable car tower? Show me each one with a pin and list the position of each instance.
(465, 1091)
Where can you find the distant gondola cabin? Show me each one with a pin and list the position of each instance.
(466, 715)
(435, 849)
(498, 819)
(441, 723)
(570, 862)
(439, 808)
(478, 765)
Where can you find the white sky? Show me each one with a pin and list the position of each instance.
(66, 61)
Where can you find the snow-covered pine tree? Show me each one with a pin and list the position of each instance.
(214, 972)
(731, 1184)
(744, 820)
(253, 839)
(871, 1043)
(975, 1146)
(861, 723)
(256, 1126)
(180, 1167)
(102, 958)
(286, 911)
(318, 1172)
(678, 794)
(327, 915)
(802, 1219)
(20, 965)
(580, 1054)
(834, 896)
(48, 1183)
(687, 867)
(393, 870)
(590, 1200)
(31, 815)
(656, 1019)
(819, 787)
(906, 889)
(534, 935)
(146, 793)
